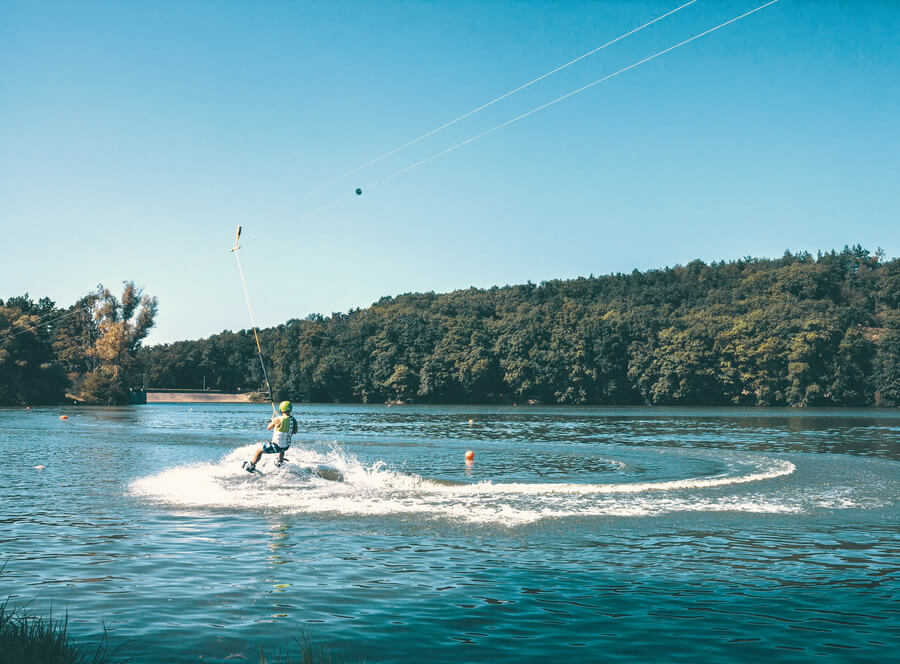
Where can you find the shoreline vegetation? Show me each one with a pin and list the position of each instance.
(800, 330)
(26, 639)
(197, 397)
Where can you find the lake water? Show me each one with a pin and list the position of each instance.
(578, 534)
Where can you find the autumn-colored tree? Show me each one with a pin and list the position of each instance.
(121, 325)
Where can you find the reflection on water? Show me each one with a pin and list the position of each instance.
(578, 534)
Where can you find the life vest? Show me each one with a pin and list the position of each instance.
(281, 434)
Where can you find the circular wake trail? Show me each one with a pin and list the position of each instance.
(329, 481)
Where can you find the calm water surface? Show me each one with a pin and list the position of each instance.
(584, 535)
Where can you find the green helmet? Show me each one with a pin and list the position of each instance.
(285, 406)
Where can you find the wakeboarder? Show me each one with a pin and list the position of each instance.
(282, 426)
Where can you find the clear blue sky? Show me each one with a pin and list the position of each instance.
(136, 136)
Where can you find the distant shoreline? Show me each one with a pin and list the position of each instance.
(197, 397)
(200, 397)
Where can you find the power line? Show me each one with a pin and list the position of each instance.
(497, 99)
(474, 138)
(41, 323)
(564, 97)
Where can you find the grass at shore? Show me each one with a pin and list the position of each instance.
(300, 651)
(27, 639)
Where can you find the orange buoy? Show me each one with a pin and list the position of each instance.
(63, 417)
(470, 456)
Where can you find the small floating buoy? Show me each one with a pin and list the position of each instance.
(358, 191)
(39, 467)
(63, 417)
(471, 422)
(27, 407)
(470, 457)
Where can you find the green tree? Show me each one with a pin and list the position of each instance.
(886, 370)
(402, 382)
(809, 363)
(799, 329)
(852, 373)
(29, 370)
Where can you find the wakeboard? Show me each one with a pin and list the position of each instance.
(328, 473)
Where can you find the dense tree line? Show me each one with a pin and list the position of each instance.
(87, 350)
(798, 330)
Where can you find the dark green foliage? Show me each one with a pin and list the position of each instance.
(797, 330)
(886, 377)
(29, 370)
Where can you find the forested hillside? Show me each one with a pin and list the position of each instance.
(799, 330)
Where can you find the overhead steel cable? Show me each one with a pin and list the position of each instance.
(562, 98)
(41, 323)
(500, 98)
(476, 137)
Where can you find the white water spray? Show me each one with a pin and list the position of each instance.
(324, 479)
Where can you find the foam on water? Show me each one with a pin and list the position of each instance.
(300, 486)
